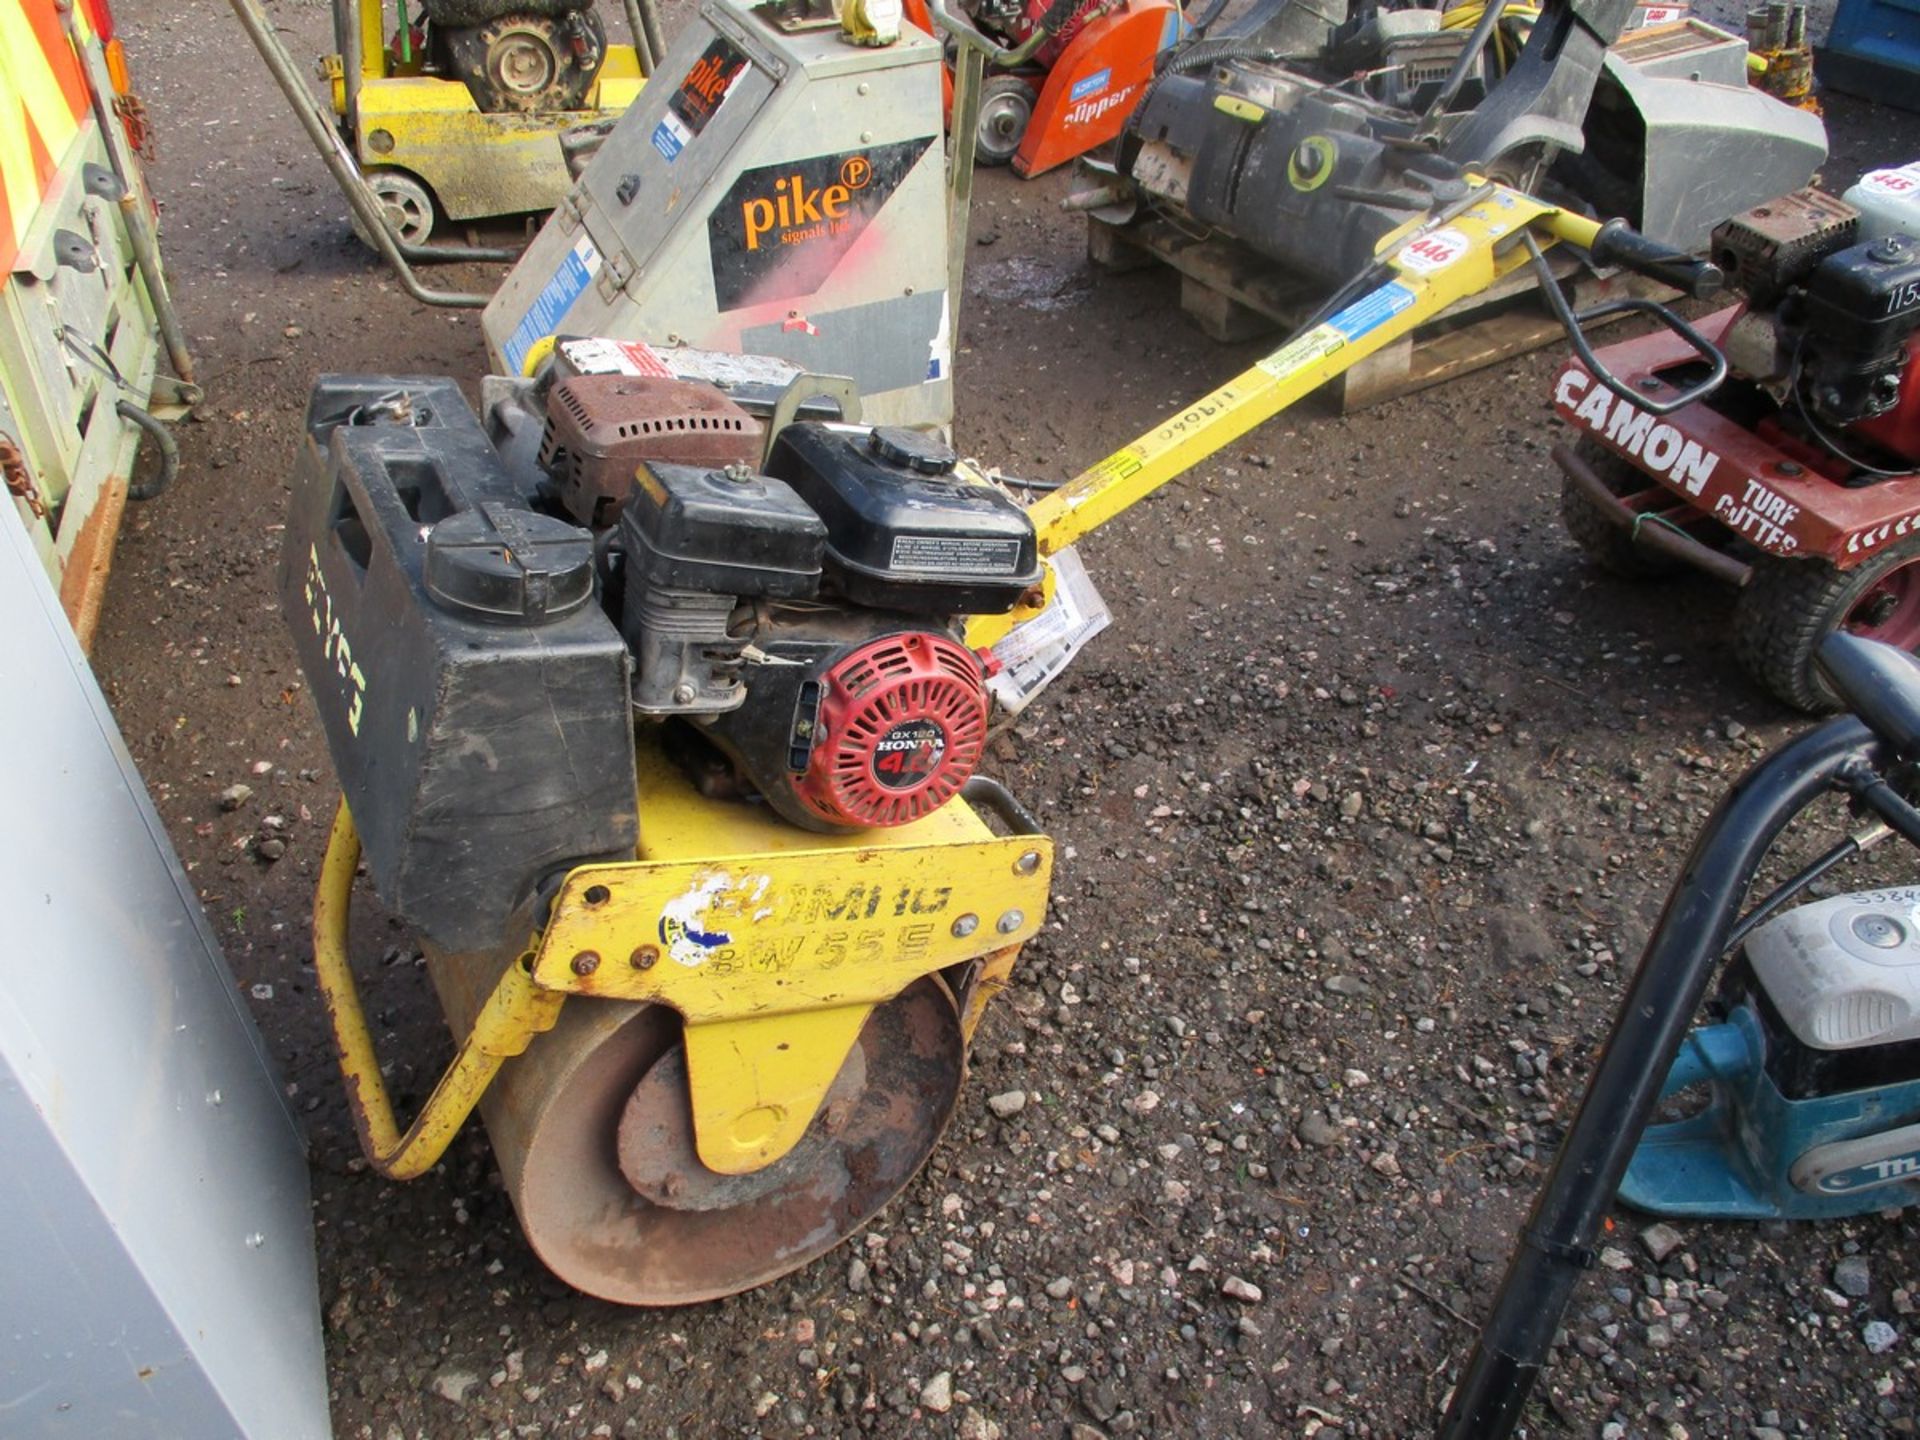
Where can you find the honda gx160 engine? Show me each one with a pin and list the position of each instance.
(486, 612)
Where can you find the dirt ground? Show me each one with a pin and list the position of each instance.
(1364, 807)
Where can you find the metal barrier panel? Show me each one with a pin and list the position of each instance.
(157, 1265)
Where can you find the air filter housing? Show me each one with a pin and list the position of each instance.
(1845, 972)
(905, 530)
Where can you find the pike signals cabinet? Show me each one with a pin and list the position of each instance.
(772, 192)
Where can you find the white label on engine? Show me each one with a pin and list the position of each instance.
(598, 356)
(955, 555)
(1903, 181)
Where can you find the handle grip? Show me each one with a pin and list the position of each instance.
(1618, 243)
(1716, 362)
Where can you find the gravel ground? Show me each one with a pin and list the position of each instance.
(1365, 805)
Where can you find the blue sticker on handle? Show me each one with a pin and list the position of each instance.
(1372, 311)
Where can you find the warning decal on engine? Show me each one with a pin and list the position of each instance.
(780, 230)
(955, 555)
(598, 356)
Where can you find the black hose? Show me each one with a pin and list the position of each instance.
(1193, 57)
(1208, 52)
(169, 451)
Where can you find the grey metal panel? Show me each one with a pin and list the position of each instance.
(1714, 151)
(873, 344)
(1698, 52)
(157, 1267)
(630, 254)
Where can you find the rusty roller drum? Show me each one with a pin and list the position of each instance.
(592, 1128)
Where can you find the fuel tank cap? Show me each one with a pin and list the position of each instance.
(916, 449)
(512, 566)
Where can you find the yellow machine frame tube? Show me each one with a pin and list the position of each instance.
(517, 1010)
(1483, 241)
(373, 38)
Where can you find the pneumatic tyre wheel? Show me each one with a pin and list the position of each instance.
(1790, 606)
(1006, 105)
(1608, 545)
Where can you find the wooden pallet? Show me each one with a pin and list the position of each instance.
(1233, 294)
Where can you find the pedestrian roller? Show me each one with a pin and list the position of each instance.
(706, 757)
(658, 691)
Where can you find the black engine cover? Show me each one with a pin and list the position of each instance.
(1860, 307)
(904, 531)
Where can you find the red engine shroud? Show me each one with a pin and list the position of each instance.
(1769, 488)
(902, 723)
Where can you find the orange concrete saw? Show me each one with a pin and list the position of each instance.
(1075, 92)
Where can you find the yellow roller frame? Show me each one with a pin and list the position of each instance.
(773, 943)
(517, 1010)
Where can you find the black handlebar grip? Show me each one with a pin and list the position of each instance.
(1058, 14)
(1620, 244)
